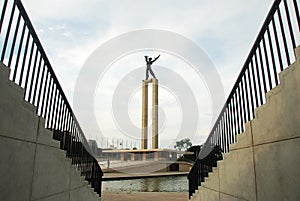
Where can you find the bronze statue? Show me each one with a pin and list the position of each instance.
(149, 62)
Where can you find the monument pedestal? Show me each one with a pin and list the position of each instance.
(144, 144)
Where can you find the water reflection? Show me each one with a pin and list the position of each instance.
(157, 184)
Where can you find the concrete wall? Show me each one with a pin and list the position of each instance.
(32, 165)
(185, 167)
(147, 167)
(264, 163)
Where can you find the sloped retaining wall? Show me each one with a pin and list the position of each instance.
(32, 165)
(264, 163)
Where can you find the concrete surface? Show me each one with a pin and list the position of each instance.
(145, 196)
(277, 167)
(32, 167)
(264, 163)
(237, 176)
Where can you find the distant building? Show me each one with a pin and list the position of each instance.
(143, 160)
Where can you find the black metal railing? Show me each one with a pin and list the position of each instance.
(22, 51)
(273, 50)
(202, 167)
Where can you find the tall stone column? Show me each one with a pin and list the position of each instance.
(144, 144)
(154, 113)
(144, 115)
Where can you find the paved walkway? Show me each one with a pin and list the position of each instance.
(145, 196)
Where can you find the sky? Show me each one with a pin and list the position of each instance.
(213, 36)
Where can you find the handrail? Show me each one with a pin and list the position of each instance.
(31, 69)
(273, 50)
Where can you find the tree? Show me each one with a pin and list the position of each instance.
(183, 144)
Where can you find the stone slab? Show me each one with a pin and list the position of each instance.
(18, 119)
(279, 118)
(244, 140)
(45, 136)
(17, 162)
(206, 194)
(76, 180)
(84, 193)
(225, 197)
(277, 168)
(237, 175)
(50, 161)
(212, 181)
(64, 196)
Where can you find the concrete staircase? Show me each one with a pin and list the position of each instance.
(264, 163)
(33, 167)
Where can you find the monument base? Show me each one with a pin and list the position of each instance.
(144, 142)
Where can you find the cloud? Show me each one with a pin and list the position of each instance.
(70, 32)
